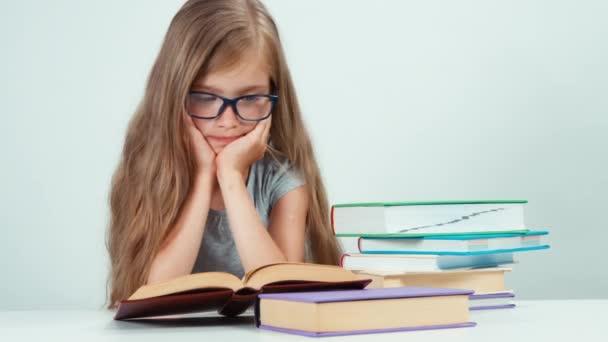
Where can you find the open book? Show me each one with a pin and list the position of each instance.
(229, 295)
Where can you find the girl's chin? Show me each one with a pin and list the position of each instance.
(217, 149)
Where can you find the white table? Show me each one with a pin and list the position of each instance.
(550, 320)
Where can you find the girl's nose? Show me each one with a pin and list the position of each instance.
(228, 118)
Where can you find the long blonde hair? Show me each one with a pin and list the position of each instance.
(156, 169)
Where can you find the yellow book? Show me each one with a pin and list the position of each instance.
(363, 311)
(481, 280)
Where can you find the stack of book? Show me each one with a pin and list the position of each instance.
(416, 266)
(456, 244)
(304, 299)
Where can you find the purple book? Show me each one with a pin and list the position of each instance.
(360, 295)
(491, 301)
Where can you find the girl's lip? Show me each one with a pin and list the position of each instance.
(224, 139)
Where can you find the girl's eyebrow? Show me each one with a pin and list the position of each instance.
(239, 91)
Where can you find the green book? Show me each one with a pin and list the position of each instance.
(432, 218)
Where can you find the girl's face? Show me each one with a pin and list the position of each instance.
(248, 77)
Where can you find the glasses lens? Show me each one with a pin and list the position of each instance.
(203, 105)
(254, 107)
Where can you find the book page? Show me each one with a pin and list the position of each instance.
(204, 280)
(296, 271)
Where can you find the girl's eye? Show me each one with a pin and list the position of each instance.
(251, 98)
(205, 98)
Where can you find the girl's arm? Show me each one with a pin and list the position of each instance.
(179, 252)
(284, 239)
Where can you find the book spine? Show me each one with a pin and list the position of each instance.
(342, 259)
(331, 217)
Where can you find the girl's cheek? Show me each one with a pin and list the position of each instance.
(201, 126)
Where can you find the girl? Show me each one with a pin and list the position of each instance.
(217, 171)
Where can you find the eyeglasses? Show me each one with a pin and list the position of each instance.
(256, 107)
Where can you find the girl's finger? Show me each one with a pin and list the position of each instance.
(265, 129)
(257, 131)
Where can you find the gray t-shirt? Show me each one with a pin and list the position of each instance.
(268, 181)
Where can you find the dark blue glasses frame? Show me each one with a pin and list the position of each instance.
(233, 103)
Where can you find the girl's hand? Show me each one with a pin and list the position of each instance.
(203, 153)
(237, 156)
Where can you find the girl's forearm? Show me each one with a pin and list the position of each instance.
(179, 252)
(253, 242)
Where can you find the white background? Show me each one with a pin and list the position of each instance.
(404, 100)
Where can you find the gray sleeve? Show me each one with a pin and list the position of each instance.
(285, 179)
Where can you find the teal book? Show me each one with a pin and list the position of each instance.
(465, 253)
(452, 243)
(423, 219)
